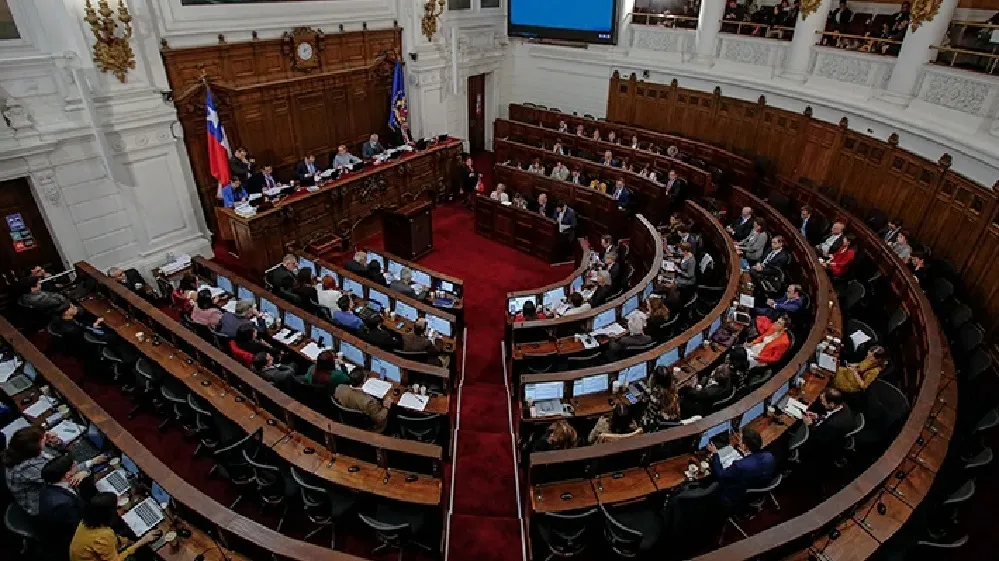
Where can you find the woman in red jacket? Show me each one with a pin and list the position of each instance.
(772, 342)
(839, 261)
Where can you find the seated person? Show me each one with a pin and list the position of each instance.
(743, 226)
(327, 372)
(344, 158)
(305, 287)
(663, 405)
(686, 268)
(918, 267)
(405, 283)
(619, 424)
(306, 169)
(577, 305)
(598, 185)
(734, 11)
(246, 314)
(95, 538)
(901, 246)
(519, 201)
(808, 226)
(612, 137)
(499, 194)
(40, 300)
(536, 167)
(790, 303)
(603, 291)
(634, 144)
(608, 159)
(372, 147)
(683, 234)
(71, 328)
(716, 385)
(283, 276)
(376, 334)
(359, 264)
(778, 258)
(621, 194)
(328, 293)
(234, 193)
(832, 242)
(839, 19)
(576, 178)
(181, 298)
(560, 172)
(636, 337)
(244, 346)
(417, 342)
(131, 279)
(543, 207)
(755, 469)
(580, 131)
(206, 310)
(48, 283)
(351, 396)
(529, 313)
(60, 504)
(853, 378)
(344, 317)
(563, 127)
(890, 232)
(657, 317)
(754, 246)
(673, 152)
(558, 436)
(374, 273)
(596, 135)
(772, 342)
(275, 373)
(839, 262)
(829, 420)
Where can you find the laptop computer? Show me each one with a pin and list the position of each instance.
(21, 381)
(143, 517)
(115, 482)
(88, 447)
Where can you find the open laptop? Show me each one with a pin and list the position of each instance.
(115, 482)
(20, 382)
(143, 517)
(88, 447)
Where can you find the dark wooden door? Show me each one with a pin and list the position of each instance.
(477, 113)
(25, 240)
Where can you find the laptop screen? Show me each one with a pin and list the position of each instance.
(159, 495)
(30, 372)
(440, 325)
(353, 287)
(128, 465)
(292, 321)
(225, 284)
(394, 268)
(386, 370)
(372, 256)
(421, 278)
(405, 310)
(379, 297)
(246, 294)
(95, 436)
(352, 353)
(303, 263)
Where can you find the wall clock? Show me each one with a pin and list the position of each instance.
(303, 44)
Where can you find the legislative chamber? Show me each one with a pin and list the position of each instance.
(505, 280)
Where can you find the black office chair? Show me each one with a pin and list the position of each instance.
(687, 514)
(22, 525)
(633, 350)
(202, 426)
(726, 399)
(853, 294)
(324, 313)
(755, 500)
(540, 363)
(974, 365)
(175, 399)
(422, 429)
(221, 342)
(974, 440)
(690, 309)
(632, 530)
(274, 487)
(93, 350)
(323, 505)
(969, 337)
(119, 369)
(849, 441)
(57, 343)
(959, 315)
(231, 464)
(564, 534)
(584, 359)
(349, 416)
(945, 518)
(897, 319)
(395, 526)
(794, 444)
(147, 382)
(876, 219)
(939, 292)
(855, 353)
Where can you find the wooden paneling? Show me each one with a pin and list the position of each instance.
(278, 113)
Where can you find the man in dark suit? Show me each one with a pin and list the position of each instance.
(359, 264)
(615, 270)
(351, 396)
(371, 148)
(543, 208)
(833, 241)
(621, 194)
(418, 342)
(608, 159)
(306, 170)
(699, 399)
(809, 226)
(377, 335)
(133, 280)
(566, 218)
(603, 291)
(754, 470)
(741, 228)
(283, 276)
(674, 186)
(683, 234)
(829, 420)
(60, 505)
(577, 178)
(777, 258)
(890, 233)
(267, 179)
(240, 165)
(839, 19)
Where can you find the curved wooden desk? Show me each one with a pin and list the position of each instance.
(249, 401)
(458, 308)
(203, 506)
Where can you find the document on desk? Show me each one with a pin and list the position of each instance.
(795, 408)
(827, 362)
(669, 266)
(43, 404)
(287, 336)
(728, 455)
(859, 338)
(18, 424)
(747, 301)
(230, 306)
(67, 431)
(213, 289)
(612, 330)
(587, 341)
(415, 402)
(8, 368)
(376, 388)
(312, 350)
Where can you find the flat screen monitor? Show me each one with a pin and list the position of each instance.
(604, 319)
(324, 272)
(421, 278)
(159, 494)
(96, 437)
(516, 304)
(754, 412)
(128, 465)
(291, 321)
(268, 307)
(374, 256)
(670, 358)
(225, 284)
(322, 337)
(633, 374)
(543, 390)
(630, 305)
(386, 370)
(440, 325)
(781, 392)
(394, 268)
(447, 286)
(244, 293)
(353, 287)
(647, 291)
(405, 310)
(379, 297)
(577, 284)
(554, 297)
(715, 325)
(303, 263)
(588, 21)
(694, 342)
(30, 372)
(713, 432)
(590, 385)
(352, 353)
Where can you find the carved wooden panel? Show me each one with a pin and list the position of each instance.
(960, 213)
(821, 141)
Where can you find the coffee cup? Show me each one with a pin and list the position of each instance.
(140, 336)
(170, 538)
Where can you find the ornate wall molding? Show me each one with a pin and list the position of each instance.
(954, 91)
(662, 40)
(861, 69)
(750, 50)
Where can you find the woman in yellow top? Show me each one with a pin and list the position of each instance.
(94, 539)
(598, 185)
(854, 378)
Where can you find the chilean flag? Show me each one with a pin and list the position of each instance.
(218, 144)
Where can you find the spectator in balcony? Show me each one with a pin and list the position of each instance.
(500, 194)
(840, 260)
(563, 127)
(635, 145)
(576, 178)
(560, 172)
(560, 150)
(608, 159)
(792, 14)
(536, 167)
(673, 152)
(596, 134)
(580, 131)
(734, 11)
(901, 18)
(612, 137)
(839, 19)
(901, 246)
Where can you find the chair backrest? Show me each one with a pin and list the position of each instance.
(423, 429)
(769, 487)
(352, 417)
(940, 291)
(391, 534)
(566, 532)
(798, 438)
(859, 426)
(313, 496)
(962, 494)
(622, 540)
(267, 475)
(897, 320)
(959, 315)
(690, 511)
(855, 292)
(970, 336)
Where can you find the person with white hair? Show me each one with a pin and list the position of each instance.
(283, 276)
(636, 338)
(603, 291)
(500, 194)
(404, 284)
(359, 264)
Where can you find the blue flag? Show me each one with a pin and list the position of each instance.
(398, 106)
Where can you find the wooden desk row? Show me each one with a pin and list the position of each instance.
(740, 169)
(457, 294)
(338, 207)
(252, 403)
(236, 531)
(521, 229)
(210, 271)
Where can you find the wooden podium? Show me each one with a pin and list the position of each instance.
(409, 231)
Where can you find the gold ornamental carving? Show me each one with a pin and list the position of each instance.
(112, 51)
(923, 11)
(809, 7)
(432, 11)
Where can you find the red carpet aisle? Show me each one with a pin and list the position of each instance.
(485, 523)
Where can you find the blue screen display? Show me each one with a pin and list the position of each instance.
(554, 297)
(753, 413)
(159, 495)
(292, 321)
(647, 291)
(590, 385)
(386, 370)
(268, 307)
(604, 319)
(577, 284)
(583, 15)
(781, 392)
(246, 294)
(353, 287)
(324, 272)
(303, 262)
(716, 325)
(693, 343)
(632, 374)
(322, 337)
(405, 310)
(29, 371)
(629, 305)
(440, 325)
(128, 465)
(352, 353)
(394, 268)
(421, 278)
(669, 358)
(379, 297)
(543, 390)
(446, 286)
(224, 283)
(372, 256)
(713, 432)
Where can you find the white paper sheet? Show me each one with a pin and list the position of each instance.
(230, 306)
(376, 388)
(41, 406)
(16, 425)
(612, 330)
(415, 402)
(859, 338)
(213, 289)
(312, 350)
(827, 362)
(67, 431)
(747, 301)
(8, 368)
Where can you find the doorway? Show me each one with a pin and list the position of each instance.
(477, 113)
(25, 241)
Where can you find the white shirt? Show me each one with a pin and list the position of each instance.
(501, 197)
(827, 245)
(328, 298)
(573, 311)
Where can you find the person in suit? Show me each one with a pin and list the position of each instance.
(636, 337)
(306, 169)
(95, 540)
(674, 186)
(343, 158)
(608, 159)
(67, 325)
(234, 193)
(716, 385)
(240, 165)
(809, 227)
(305, 287)
(131, 279)
(344, 317)
(621, 194)
(754, 246)
(890, 232)
(577, 305)
(743, 226)
(839, 262)
(560, 172)
(543, 208)
(580, 131)
(839, 19)
(606, 246)
(596, 135)
(40, 300)
(375, 274)
(612, 138)
(603, 290)
(267, 179)
(276, 373)
(499, 194)
(417, 341)
(635, 145)
(683, 234)
(576, 178)
(246, 314)
(772, 342)
(777, 258)
(560, 150)
(686, 267)
(790, 303)
(563, 127)
(919, 268)
(60, 505)
(359, 264)
(283, 276)
(376, 334)
(755, 469)
(566, 218)
(832, 242)
(614, 269)
(351, 396)
(829, 420)
(404, 284)
(402, 136)
(372, 147)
